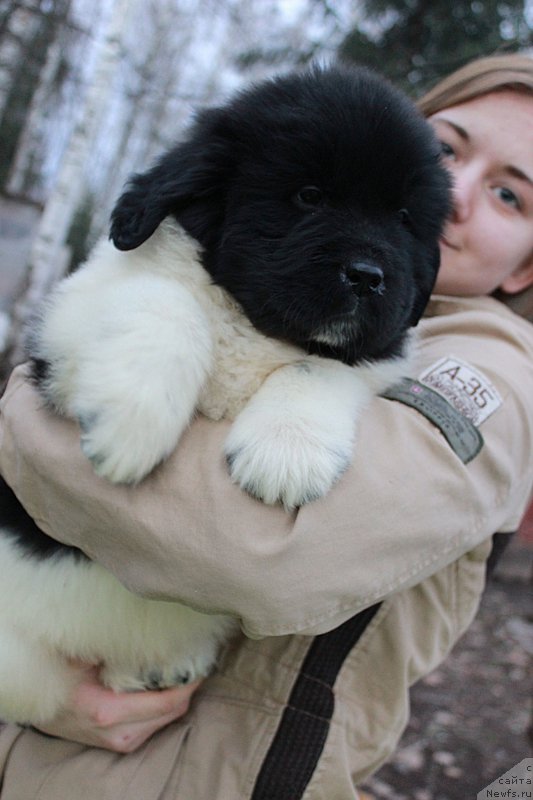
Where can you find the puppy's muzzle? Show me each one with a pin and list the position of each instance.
(365, 279)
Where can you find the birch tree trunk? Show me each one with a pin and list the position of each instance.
(29, 145)
(153, 85)
(18, 30)
(49, 257)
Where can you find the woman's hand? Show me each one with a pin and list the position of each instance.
(121, 722)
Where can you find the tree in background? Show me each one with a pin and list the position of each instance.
(417, 42)
(30, 59)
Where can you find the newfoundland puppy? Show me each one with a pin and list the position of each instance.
(267, 269)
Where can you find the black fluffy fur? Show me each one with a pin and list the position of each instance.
(233, 184)
(17, 523)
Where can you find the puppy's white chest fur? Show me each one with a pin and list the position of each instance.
(242, 358)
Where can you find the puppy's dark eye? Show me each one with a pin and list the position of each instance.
(309, 197)
(405, 217)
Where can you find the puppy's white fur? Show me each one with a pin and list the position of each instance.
(137, 342)
(60, 608)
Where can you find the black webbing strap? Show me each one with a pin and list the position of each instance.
(500, 542)
(304, 725)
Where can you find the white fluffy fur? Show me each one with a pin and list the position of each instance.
(58, 608)
(138, 341)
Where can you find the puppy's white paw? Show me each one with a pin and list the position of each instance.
(126, 439)
(288, 461)
(154, 677)
(175, 670)
(128, 352)
(124, 445)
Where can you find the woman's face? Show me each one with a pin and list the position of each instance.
(487, 145)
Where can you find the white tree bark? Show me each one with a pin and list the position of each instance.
(20, 29)
(30, 142)
(48, 259)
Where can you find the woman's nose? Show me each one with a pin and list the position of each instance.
(464, 193)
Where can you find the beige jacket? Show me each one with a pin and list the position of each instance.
(409, 524)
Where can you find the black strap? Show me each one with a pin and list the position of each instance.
(304, 725)
(500, 541)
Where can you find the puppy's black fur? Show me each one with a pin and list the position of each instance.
(298, 190)
(18, 524)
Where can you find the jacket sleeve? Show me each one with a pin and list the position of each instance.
(407, 507)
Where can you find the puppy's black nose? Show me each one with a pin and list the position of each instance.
(365, 279)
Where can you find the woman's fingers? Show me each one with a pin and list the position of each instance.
(106, 707)
(117, 721)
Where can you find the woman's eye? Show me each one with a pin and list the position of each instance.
(447, 150)
(507, 196)
(309, 197)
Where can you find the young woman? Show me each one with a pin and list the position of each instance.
(355, 597)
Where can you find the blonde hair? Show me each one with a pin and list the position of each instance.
(499, 73)
(485, 75)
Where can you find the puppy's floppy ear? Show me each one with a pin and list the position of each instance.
(183, 182)
(424, 287)
(139, 210)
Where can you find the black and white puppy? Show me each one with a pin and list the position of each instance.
(268, 270)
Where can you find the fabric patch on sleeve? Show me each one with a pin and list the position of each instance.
(465, 387)
(459, 431)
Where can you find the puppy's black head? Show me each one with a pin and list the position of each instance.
(318, 199)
